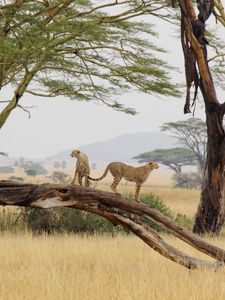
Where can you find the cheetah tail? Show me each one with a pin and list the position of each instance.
(103, 175)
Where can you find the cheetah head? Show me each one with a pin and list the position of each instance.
(152, 165)
(75, 153)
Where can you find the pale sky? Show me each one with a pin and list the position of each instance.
(60, 124)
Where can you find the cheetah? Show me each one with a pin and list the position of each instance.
(82, 167)
(120, 170)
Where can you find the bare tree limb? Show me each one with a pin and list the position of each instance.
(116, 209)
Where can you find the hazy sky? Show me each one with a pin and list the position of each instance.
(60, 124)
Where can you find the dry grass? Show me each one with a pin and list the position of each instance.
(98, 268)
(179, 200)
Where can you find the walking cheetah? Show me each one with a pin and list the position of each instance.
(120, 170)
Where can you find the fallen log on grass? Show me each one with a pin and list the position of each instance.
(118, 210)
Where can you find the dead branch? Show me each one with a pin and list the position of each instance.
(118, 210)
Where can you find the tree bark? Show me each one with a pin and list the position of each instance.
(119, 211)
(211, 212)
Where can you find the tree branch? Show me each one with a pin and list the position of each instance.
(219, 6)
(118, 210)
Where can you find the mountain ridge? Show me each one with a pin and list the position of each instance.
(120, 148)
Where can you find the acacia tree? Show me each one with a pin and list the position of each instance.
(79, 49)
(116, 209)
(192, 135)
(174, 158)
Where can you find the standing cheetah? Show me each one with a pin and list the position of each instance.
(120, 170)
(82, 167)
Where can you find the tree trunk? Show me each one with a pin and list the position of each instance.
(119, 211)
(211, 210)
(211, 213)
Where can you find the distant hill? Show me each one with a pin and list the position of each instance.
(120, 148)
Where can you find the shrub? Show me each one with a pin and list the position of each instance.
(16, 178)
(188, 180)
(67, 220)
(155, 202)
(184, 221)
(34, 168)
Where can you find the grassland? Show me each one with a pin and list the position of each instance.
(105, 267)
(84, 268)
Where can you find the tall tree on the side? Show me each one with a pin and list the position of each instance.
(211, 211)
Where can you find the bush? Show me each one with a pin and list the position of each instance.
(184, 221)
(155, 202)
(67, 220)
(34, 168)
(188, 180)
(75, 221)
(16, 178)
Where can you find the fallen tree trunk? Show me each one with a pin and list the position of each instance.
(118, 210)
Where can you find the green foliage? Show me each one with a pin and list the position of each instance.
(16, 178)
(174, 158)
(85, 51)
(33, 168)
(155, 202)
(184, 221)
(66, 220)
(31, 172)
(74, 221)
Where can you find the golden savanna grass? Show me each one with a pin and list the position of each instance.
(100, 267)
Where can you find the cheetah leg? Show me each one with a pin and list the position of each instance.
(137, 190)
(116, 181)
(80, 180)
(86, 181)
